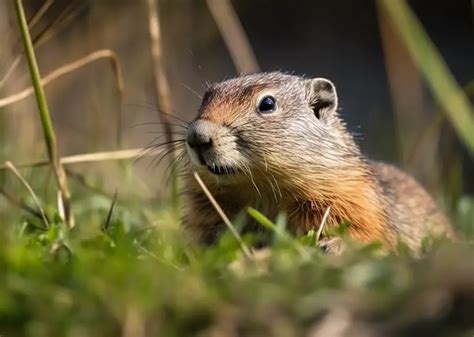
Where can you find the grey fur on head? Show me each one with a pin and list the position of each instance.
(305, 118)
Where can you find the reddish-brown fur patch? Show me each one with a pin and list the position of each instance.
(358, 205)
(223, 109)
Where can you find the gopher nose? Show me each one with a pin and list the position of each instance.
(199, 136)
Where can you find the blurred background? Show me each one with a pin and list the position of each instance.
(384, 97)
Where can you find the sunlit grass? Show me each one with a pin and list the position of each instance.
(89, 280)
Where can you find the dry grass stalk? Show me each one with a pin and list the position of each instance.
(46, 34)
(12, 168)
(55, 26)
(323, 224)
(39, 14)
(19, 203)
(102, 156)
(234, 36)
(68, 68)
(31, 23)
(90, 158)
(162, 87)
(224, 217)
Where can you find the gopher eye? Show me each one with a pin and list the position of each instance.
(267, 105)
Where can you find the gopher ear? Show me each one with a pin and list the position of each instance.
(322, 96)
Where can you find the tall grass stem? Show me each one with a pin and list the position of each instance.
(234, 36)
(445, 89)
(47, 125)
(162, 89)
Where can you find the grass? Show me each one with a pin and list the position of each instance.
(127, 268)
(47, 125)
(138, 278)
(449, 94)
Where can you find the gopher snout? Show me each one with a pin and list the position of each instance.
(213, 146)
(200, 136)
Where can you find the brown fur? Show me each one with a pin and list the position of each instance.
(301, 160)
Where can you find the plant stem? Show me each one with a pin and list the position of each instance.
(445, 89)
(234, 36)
(162, 90)
(47, 125)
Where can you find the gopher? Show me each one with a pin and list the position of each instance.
(276, 142)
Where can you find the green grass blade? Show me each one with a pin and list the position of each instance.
(442, 83)
(283, 235)
(262, 219)
(47, 125)
(48, 130)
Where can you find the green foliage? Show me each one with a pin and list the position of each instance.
(136, 276)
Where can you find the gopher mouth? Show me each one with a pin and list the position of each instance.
(222, 170)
